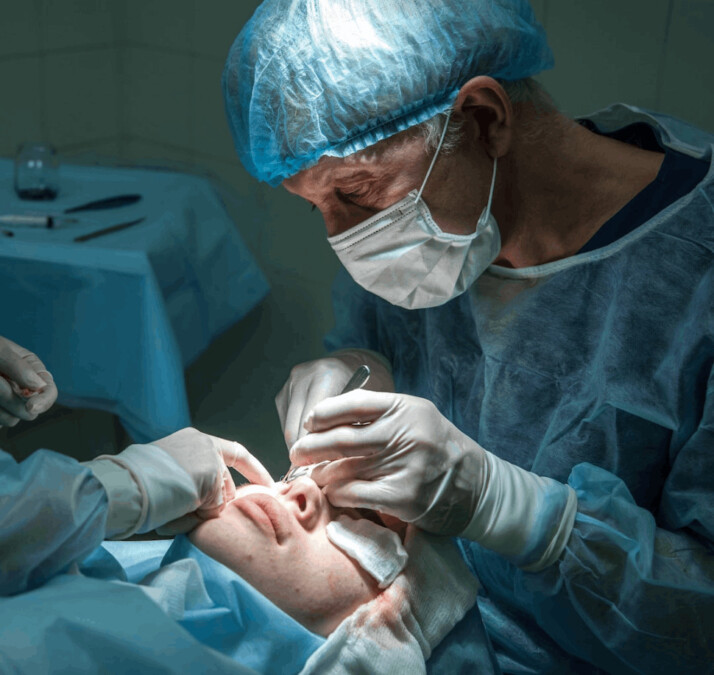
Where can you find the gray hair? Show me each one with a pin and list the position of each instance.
(526, 90)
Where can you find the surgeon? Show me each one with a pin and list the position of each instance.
(54, 510)
(537, 289)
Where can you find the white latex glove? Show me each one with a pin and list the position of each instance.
(27, 389)
(311, 382)
(174, 483)
(409, 461)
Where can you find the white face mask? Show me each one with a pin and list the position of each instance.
(403, 256)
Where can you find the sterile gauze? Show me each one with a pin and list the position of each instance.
(377, 550)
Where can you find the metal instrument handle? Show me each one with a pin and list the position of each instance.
(357, 381)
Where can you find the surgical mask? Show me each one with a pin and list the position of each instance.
(403, 256)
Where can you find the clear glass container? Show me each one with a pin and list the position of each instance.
(36, 171)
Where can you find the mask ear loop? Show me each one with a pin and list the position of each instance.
(436, 154)
(493, 183)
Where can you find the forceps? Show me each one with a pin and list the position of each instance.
(357, 381)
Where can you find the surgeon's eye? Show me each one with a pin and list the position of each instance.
(356, 195)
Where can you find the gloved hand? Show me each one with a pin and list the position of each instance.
(174, 483)
(26, 387)
(311, 382)
(407, 460)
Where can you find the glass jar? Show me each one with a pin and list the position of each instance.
(36, 171)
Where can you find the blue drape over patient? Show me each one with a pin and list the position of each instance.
(141, 607)
(595, 370)
(149, 607)
(211, 602)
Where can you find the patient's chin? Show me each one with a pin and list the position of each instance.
(324, 621)
(318, 593)
(325, 624)
(338, 598)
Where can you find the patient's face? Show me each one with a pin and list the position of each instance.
(275, 538)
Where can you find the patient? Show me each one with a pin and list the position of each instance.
(276, 539)
(260, 586)
(393, 607)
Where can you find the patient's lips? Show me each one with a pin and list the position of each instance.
(266, 513)
(278, 510)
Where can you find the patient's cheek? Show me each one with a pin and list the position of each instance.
(333, 583)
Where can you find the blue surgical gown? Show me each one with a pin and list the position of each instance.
(595, 370)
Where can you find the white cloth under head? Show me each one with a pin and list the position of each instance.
(376, 549)
(399, 628)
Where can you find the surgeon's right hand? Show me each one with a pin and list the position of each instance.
(312, 382)
(174, 483)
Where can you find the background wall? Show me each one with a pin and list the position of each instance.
(138, 81)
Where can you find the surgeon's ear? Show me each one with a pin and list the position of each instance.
(487, 113)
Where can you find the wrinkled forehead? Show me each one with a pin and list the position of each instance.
(377, 161)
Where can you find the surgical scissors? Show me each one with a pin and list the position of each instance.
(357, 381)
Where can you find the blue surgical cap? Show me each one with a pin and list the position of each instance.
(307, 78)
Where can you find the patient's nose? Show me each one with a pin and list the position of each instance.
(305, 500)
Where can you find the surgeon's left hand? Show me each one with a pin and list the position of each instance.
(27, 388)
(407, 460)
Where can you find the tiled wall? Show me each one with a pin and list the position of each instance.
(173, 53)
(139, 80)
(59, 68)
(653, 53)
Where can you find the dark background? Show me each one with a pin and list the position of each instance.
(138, 81)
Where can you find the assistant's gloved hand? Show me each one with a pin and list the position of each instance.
(174, 483)
(27, 389)
(311, 382)
(409, 461)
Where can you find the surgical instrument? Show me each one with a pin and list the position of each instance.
(106, 203)
(53, 220)
(357, 381)
(108, 230)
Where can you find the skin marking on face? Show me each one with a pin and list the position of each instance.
(276, 539)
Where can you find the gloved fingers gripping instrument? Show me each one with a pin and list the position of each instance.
(311, 382)
(412, 463)
(357, 381)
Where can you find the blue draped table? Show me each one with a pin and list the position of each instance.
(117, 318)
